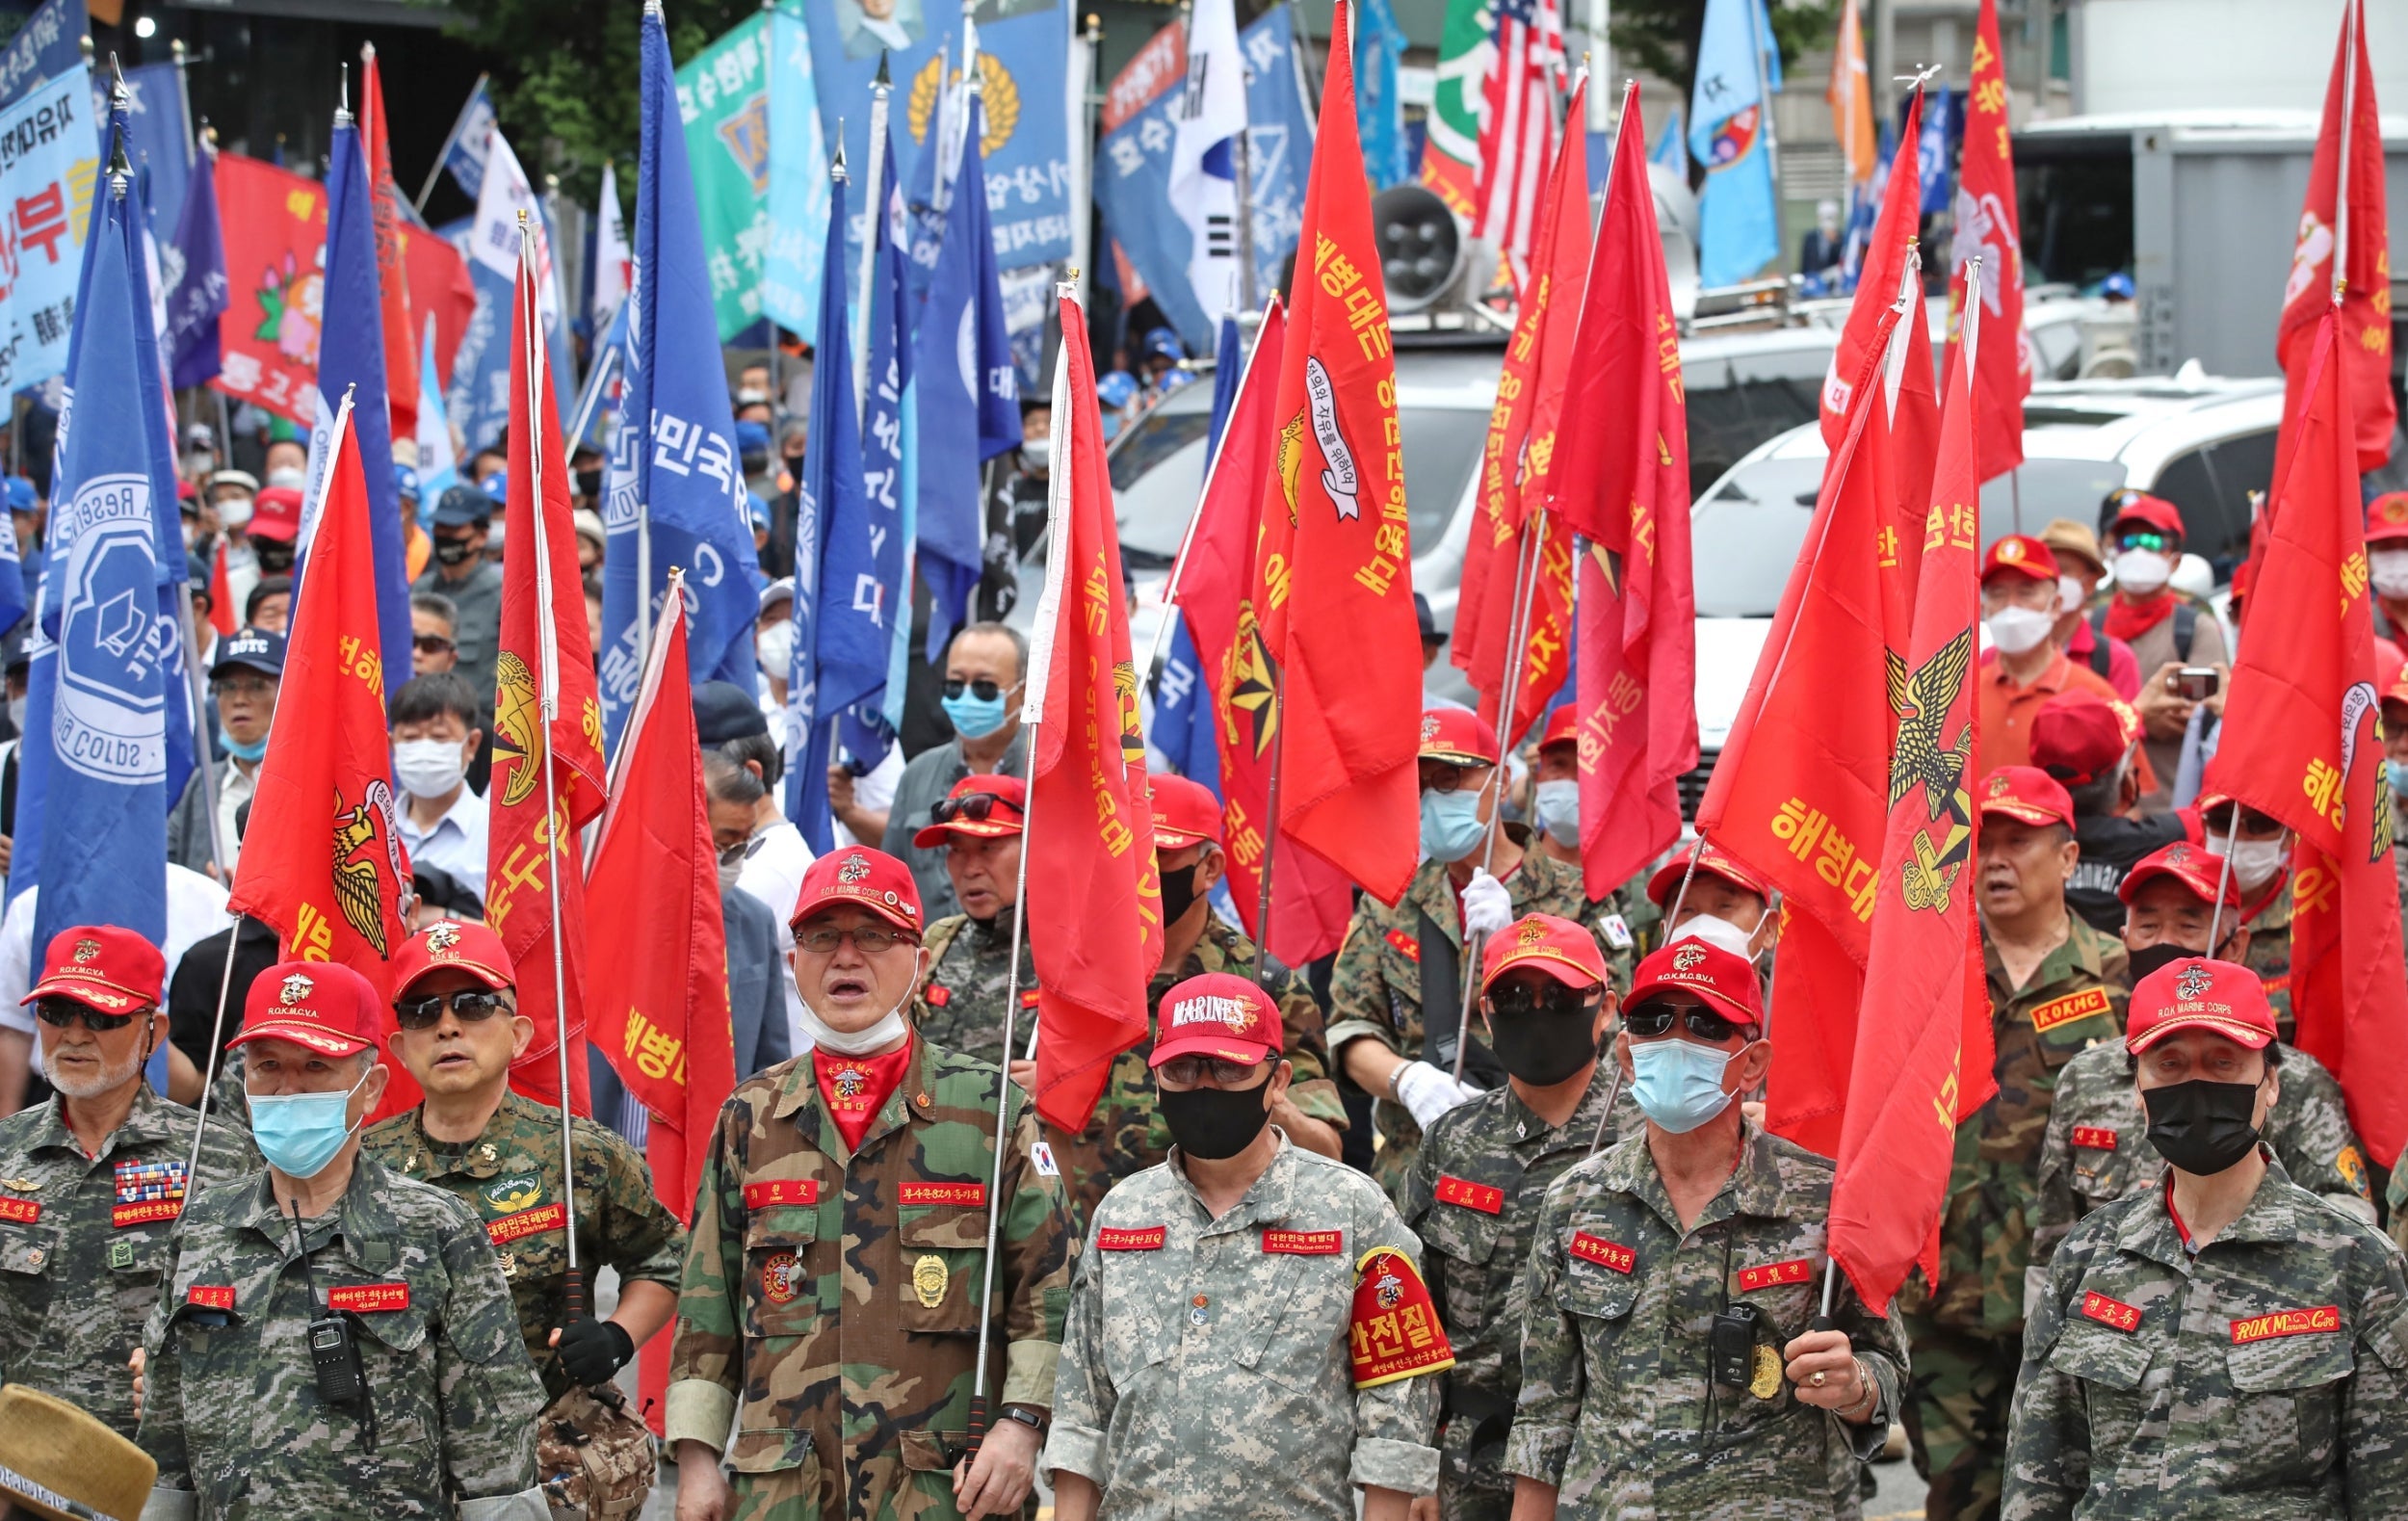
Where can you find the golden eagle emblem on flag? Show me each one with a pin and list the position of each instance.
(359, 886)
(1925, 756)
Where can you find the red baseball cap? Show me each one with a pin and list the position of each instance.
(323, 1006)
(2196, 993)
(1711, 862)
(1563, 727)
(103, 967)
(1185, 813)
(1005, 816)
(868, 879)
(2026, 792)
(1725, 981)
(2154, 511)
(1215, 1015)
(1558, 947)
(1457, 737)
(2397, 690)
(275, 513)
(2021, 555)
(471, 947)
(2386, 517)
(2076, 737)
(2196, 869)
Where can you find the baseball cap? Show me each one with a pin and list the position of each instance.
(187, 499)
(724, 711)
(323, 1006)
(2078, 737)
(21, 494)
(2021, 555)
(753, 439)
(472, 948)
(1711, 862)
(1426, 620)
(1214, 1015)
(2195, 867)
(2026, 792)
(2198, 993)
(2141, 509)
(405, 481)
(1004, 816)
(244, 479)
(252, 649)
(1563, 727)
(275, 513)
(1185, 813)
(2387, 518)
(1725, 981)
(102, 966)
(1164, 343)
(462, 506)
(587, 524)
(2066, 537)
(1555, 946)
(781, 590)
(1458, 737)
(868, 878)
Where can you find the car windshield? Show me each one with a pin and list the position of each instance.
(1749, 531)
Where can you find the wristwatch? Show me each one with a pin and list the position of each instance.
(1034, 1420)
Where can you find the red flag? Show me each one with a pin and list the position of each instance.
(2310, 752)
(1986, 229)
(1623, 482)
(223, 615)
(1092, 829)
(1876, 284)
(401, 333)
(441, 291)
(274, 226)
(324, 864)
(544, 643)
(1334, 572)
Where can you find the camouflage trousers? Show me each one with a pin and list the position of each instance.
(1960, 1390)
(799, 1494)
(1459, 1499)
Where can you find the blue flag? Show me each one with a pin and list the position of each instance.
(674, 475)
(1671, 148)
(1739, 212)
(157, 143)
(196, 290)
(888, 444)
(797, 197)
(1378, 109)
(966, 395)
(472, 131)
(1932, 148)
(46, 48)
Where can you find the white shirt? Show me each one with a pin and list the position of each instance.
(235, 789)
(774, 862)
(455, 845)
(873, 793)
(196, 911)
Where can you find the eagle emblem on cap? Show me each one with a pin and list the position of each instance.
(87, 951)
(1997, 786)
(442, 937)
(295, 988)
(2193, 982)
(1532, 933)
(2178, 854)
(2010, 549)
(1430, 726)
(856, 866)
(1688, 956)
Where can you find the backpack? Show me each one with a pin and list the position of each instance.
(2185, 624)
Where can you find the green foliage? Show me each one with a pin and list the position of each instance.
(1660, 37)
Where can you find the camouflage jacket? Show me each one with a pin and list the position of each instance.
(835, 1294)
(960, 1007)
(1616, 1404)
(2269, 953)
(2097, 1147)
(1473, 1196)
(232, 1411)
(1375, 989)
(84, 1241)
(2075, 996)
(2263, 1378)
(509, 1178)
(1206, 1370)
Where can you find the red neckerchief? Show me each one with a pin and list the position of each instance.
(854, 1089)
(2181, 1230)
(2127, 619)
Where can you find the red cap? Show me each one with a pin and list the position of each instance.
(1185, 813)
(275, 513)
(2397, 690)
(1558, 947)
(2196, 869)
(102, 967)
(2154, 511)
(1004, 816)
(469, 946)
(2026, 792)
(2386, 517)
(2240, 582)
(1215, 1015)
(2078, 736)
(323, 1006)
(1563, 727)
(1458, 737)
(1711, 862)
(871, 880)
(2021, 555)
(1693, 966)
(2196, 993)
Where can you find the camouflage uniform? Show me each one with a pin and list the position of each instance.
(232, 1410)
(960, 1007)
(836, 1293)
(83, 1241)
(1967, 1331)
(2261, 1378)
(2097, 1147)
(2269, 953)
(1206, 1370)
(509, 1178)
(1492, 1158)
(1615, 1405)
(1375, 989)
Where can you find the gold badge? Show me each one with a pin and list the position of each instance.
(21, 1185)
(1767, 1380)
(928, 1281)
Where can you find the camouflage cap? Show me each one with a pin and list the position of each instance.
(2197, 993)
(470, 947)
(323, 1006)
(103, 967)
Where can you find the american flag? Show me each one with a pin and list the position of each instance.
(1517, 134)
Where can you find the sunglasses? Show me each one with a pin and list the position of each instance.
(1517, 1000)
(431, 644)
(1654, 1021)
(982, 688)
(63, 1013)
(869, 939)
(2145, 539)
(470, 1007)
(1189, 1071)
(974, 806)
(1440, 776)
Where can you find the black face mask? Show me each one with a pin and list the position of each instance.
(454, 551)
(2154, 958)
(274, 558)
(1546, 1046)
(1178, 895)
(1213, 1122)
(2202, 1127)
(589, 483)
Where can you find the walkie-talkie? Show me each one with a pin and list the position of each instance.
(334, 1348)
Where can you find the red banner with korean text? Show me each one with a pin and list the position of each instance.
(275, 229)
(1986, 229)
(402, 335)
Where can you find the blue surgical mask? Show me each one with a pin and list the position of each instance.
(1559, 804)
(2394, 771)
(1677, 1083)
(1451, 826)
(974, 716)
(253, 752)
(299, 1133)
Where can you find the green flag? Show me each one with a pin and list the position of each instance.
(724, 96)
(1451, 159)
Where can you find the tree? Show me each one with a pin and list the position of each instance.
(1660, 37)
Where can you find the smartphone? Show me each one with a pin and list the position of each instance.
(2197, 683)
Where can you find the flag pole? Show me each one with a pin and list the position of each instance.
(449, 137)
(2350, 19)
(2223, 877)
(873, 207)
(183, 96)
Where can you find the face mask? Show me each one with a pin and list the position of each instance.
(1558, 805)
(1717, 932)
(234, 511)
(1451, 826)
(729, 871)
(2154, 959)
(2069, 595)
(1037, 454)
(889, 1030)
(2389, 568)
(274, 558)
(1178, 894)
(192, 531)
(290, 478)
(975, 718)
(589, 483)
(775, 648)
(2202, 1127)
(2394, 771)
(2255, 861)
(1543, 1049)
(2016, 630)
(1677, 1083)
(16, 712)
(253, 752)
(299, 1133)
(2142, 570)
(427, 768)
(452, 551)
(1213, 1122)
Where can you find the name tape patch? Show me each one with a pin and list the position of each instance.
(1406, 943)
(2091, 1138)
(369, 1297)
(1765, 1276)
(2111, 1312)
(2287, 1323)
(22, 1211)
(527, 1222)
(783, 1191)
(2072, 1006)
(1484, 1197)
(1149, 1239)
(1304, 1242)
(149, 1212)
(1603, 1252)
(211, 1295)
(963, 1195)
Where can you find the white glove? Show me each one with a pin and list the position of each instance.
(1428, 1092)
(1487, 908)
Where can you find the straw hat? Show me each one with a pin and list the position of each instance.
(57, 1462)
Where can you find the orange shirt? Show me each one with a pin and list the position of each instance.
(2004, 712)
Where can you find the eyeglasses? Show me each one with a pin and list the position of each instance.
(244, 690)
(982, 688)
(974, 806)
(1441, 776)
(1189, 1071)
(470, 1007)
(431, 644)
(1518, 1000)
(1652, 1021)
(63, 1013)
(2145, 539)
(869, 939)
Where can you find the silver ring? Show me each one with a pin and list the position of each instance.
(1817, 1379)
